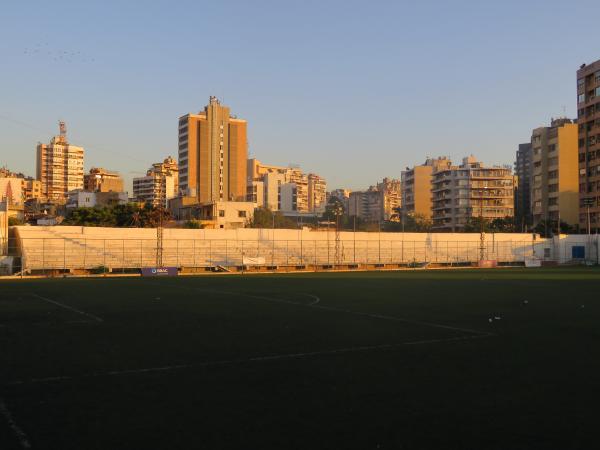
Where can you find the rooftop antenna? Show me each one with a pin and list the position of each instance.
(62, 127)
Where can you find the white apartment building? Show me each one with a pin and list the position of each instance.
(265, 188)
(471, 190)
(59, 167)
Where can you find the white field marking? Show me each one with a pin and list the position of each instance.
(356, 313)
(254, 359)
(16, 429)
(70, 308)
(316, 299)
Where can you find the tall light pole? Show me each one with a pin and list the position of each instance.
(481, 228)
(338, 210)
(588, 202)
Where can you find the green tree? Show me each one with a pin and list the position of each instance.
(265, 218)
(333, 210)
(548, 228)
(130, 215)
(503, 225)
(411, 222)
(13, 221)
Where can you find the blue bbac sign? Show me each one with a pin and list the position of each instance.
(159, 271)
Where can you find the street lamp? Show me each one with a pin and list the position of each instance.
(588, 202)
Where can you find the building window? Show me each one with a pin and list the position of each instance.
(580, 98)
(221, 213)
(241, 213)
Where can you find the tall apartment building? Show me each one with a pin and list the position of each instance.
(391, 197)
(212, 154)
(365, 205)
(588, 119)
(416, 186)
(378, 203)
(317, 193)
(102, 180)
(555, 184)
(159, 185)
(471, 190)
(305, 193)
(524, 173)
(59, 167)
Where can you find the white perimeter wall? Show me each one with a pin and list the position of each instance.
(89, 247)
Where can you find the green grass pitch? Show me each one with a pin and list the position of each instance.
(467, 359)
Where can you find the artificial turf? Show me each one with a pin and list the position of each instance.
(379, 360)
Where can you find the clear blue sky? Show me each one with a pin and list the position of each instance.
(352, 90)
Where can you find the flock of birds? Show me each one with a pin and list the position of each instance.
(58, 55)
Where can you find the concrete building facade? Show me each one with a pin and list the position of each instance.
(391, 198)
(555, 184)
(366, 205)
(317, 193)
(102, 180)
(588, 120)
(213, 151)
(416, 183)
(90, 199)
(306, 193)
(523, 171)
(159, 185)
(471, 190)
(59, 167)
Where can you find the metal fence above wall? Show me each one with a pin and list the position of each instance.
(86, 254)
(73, 251)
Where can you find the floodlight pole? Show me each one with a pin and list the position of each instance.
(481, 229)
(159, 238)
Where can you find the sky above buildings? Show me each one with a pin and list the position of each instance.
(351, 90)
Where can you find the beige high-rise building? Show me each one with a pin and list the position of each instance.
(59, 167)
(391, 198)
(159, 185)
(416, 186)
(213, 151)
(555, 181)
(317, 193)
(471, 190)
(102, 180)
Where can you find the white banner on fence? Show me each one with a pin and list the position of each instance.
(253, 261)
(533, 263)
